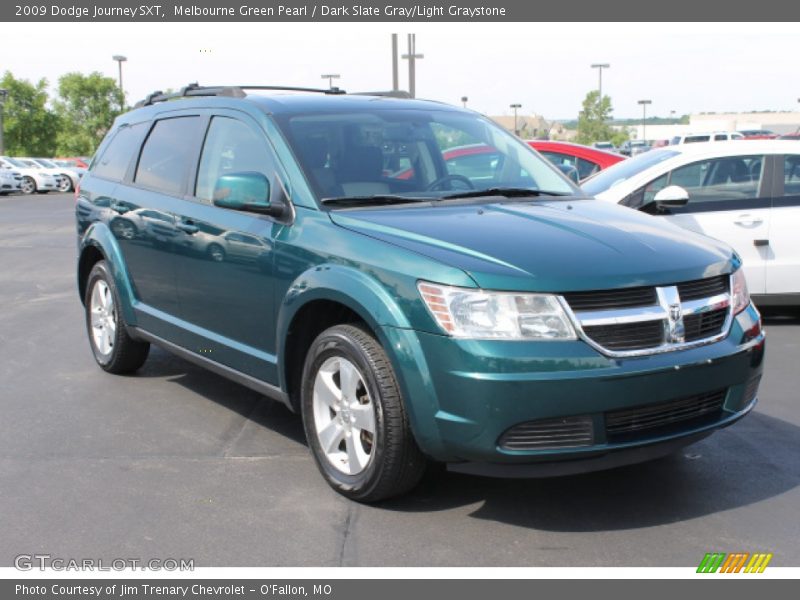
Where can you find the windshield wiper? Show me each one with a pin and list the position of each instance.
(507, 192)
(376, 200)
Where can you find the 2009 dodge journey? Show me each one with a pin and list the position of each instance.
(477, 310)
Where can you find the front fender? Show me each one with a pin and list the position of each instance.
(380, 310)
(100, 237)
(361, 293)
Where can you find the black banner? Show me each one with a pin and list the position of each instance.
(732, 588)
(399, 11)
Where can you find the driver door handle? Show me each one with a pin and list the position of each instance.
(748, 220)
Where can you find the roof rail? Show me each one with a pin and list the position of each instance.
(388, 94)
(230, 91)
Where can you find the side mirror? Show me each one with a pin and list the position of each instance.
(247, 192)
(672, 196)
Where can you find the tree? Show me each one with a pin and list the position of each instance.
(28, 125)
(593, 120)
(87, 106)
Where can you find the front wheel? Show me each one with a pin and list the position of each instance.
(355, 419)
(114, 350)
(28, 185)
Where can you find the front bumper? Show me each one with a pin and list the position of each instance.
(463, 395)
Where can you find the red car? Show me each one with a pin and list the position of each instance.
(758, 134)
(480, 161)
(586, 160)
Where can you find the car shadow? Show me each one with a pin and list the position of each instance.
(755, 459)
(256, 407)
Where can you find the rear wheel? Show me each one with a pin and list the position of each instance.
(355, 419)
(65, 185)
(114, 350)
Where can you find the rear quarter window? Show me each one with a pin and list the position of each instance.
(117, 157)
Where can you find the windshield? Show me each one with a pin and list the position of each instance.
(421, 154)
(626, 169)
(17, 163)
(46, 163)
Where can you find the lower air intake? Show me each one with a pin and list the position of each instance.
(566, 432)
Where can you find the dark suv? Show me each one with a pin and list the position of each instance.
(318, 248)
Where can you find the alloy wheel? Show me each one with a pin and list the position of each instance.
(344, 416)
(103, 317)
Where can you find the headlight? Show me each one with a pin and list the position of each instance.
(478, 314)
(739, 294)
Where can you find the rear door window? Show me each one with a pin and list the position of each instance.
(167, 154)
(791, 175)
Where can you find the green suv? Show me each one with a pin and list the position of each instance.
(318, 247)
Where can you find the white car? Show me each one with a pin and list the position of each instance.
(70, 178)
(711, 136)
(64, 181)
(34, 178)
(9, 181)
(747, 195)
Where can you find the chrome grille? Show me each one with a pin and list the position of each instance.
(646, 320)
(631, 421)
(566, 432)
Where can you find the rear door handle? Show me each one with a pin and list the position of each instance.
(188, 227)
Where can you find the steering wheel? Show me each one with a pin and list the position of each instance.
(447, 178)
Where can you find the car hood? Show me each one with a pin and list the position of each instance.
(548, 246)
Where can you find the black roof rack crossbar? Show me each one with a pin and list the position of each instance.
(231, 91)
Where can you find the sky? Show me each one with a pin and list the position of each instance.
(686, 68)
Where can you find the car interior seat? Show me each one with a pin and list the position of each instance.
(361, 171)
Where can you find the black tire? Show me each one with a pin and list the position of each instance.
(28, 185)
(396, 463)
(126, 355)
(216, 253)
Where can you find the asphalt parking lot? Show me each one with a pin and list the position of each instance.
(178, 462)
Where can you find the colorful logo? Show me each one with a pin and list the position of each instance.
(737, 562)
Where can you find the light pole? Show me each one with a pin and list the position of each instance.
(412, 57)
(120, 59)
(3, 96)
(644, 104)
(600, 67)
(515, 107)
(464, 101)
(330, 77)
(395, 75)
